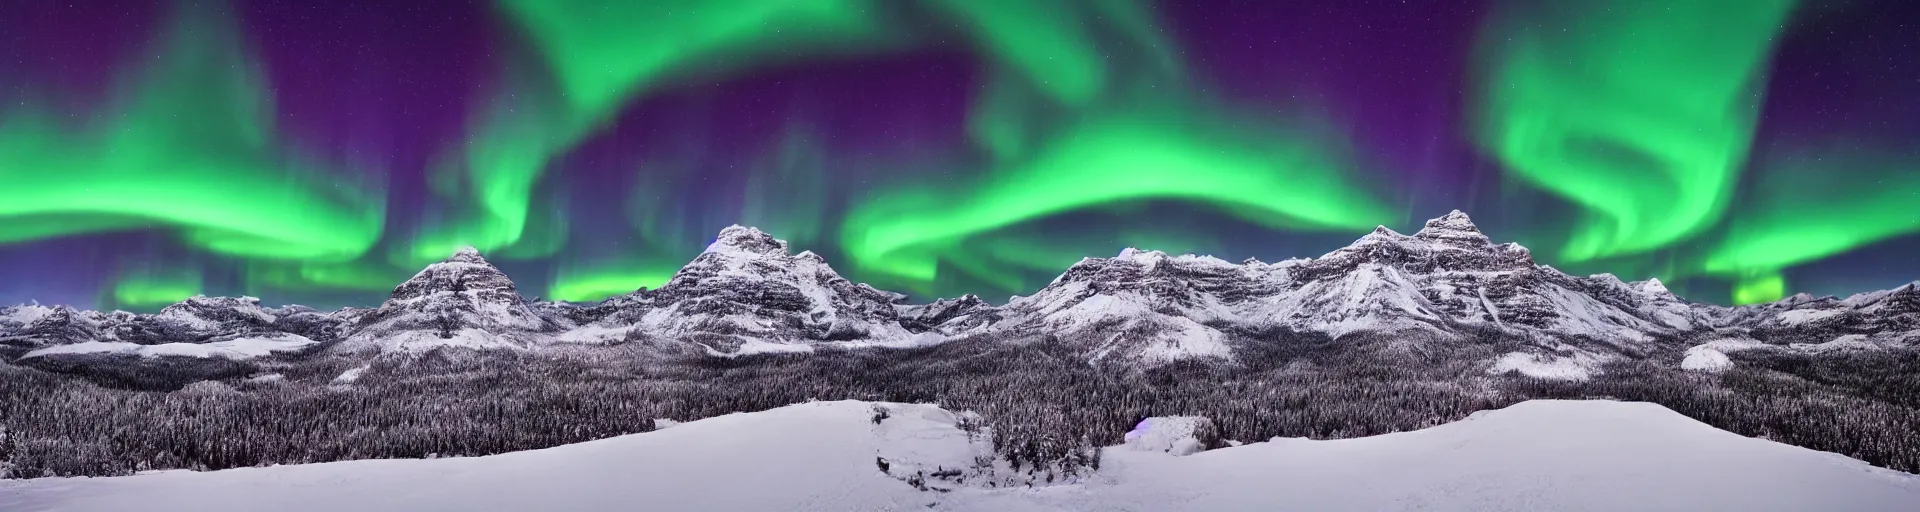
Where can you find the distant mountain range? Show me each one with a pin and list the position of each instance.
(748, 294)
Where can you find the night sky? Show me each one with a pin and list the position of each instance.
(321, 152)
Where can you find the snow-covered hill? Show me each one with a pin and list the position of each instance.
(1540, 455)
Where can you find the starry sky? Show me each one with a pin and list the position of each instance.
(322, 152)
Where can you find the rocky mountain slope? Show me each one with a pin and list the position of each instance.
(463, 301)
(747, 293)
(1447, 281)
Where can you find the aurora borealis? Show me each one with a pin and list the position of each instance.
(320, 152)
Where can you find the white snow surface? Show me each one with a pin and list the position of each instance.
(1803, 316)
(1711, 357)
(1840, 344)
(1179, 337)
(750, 346)
(594, 335)
(1703, 358)
(237, 349)
(1177, 435)
(1581, 366)
(425, 341)
(352, 374)
(24, 314)
(1538, 455)
(737, 258)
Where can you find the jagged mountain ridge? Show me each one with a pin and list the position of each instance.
(747, 293)
(195, 320)
(1445, 281)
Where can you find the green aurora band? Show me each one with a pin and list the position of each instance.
(1758, 288)
(262, 276)
(595, 282)
(1640, 111)
(600, 63)
(153, 290)
(787, 193)
(1272, 178)
(1049, 60)
(1798, 212)
(191, 147)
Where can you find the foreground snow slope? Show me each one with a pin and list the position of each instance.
(1537, 455)
(1540, 455)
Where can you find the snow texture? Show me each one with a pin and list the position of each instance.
(238, 349)
(748, 294)
(462, 302)
(1578, 367)
(822, 456)
(23, 314)
(1447, 281)
(1178, 435)
(1803, 316)
(351, 375)
(1703, 358)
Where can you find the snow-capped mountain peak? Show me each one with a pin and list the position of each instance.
(1446, 281)
(1653, 286)
(461, 301)
(747, 293)
(1454, 227)
(468, 254)
(464, 271)
(742, 239)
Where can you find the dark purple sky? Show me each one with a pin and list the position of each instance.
(386, 89)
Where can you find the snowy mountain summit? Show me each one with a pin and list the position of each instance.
(463, 301)
(1446, 282)
(1445, 286)
(747, 293)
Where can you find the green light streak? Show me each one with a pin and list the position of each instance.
(1810, 207)
(188, 147)
(1270, 177)
(787, 193)
(602, 60)
(357, 276)
(602, 54)
(1031, 37)
(1020, 259)
(1640, 111)
(153, 291)
(597, 283)
(1759, 288)
(604, 51)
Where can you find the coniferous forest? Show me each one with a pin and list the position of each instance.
(1043, 402)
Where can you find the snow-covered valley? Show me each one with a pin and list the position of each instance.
(1537, 455)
